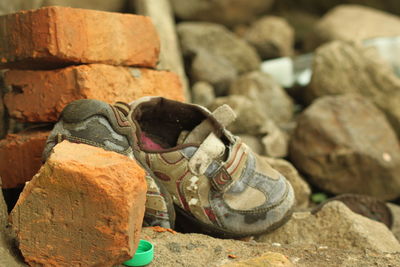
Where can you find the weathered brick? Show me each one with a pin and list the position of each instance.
(85, 207)
(20, 157)
(41, 95)
(58, 36)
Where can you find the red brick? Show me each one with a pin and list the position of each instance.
(20, 157)
(40, 96)
(51, 37)
(85, 207)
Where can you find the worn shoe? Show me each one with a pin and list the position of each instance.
(213, 177)
(102, 125)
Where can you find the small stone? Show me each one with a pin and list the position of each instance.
(227, 12)
(275, 142)
(343, 67)
(214, 69)
(218, 41)
(338, 144)
(267, 259)
(339, 24)
(174, 247)
(272, 37)
(203, 94)
(335, 226)
(84, 207)
(250, 118)
(265, 94)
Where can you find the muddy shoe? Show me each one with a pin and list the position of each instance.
(213, 177)
(102, 125)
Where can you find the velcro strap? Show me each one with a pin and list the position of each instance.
(212, 148)
(224, 114)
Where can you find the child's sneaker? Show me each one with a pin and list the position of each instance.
(213, 177)
(99, 124)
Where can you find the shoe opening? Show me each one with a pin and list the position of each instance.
(161, 122)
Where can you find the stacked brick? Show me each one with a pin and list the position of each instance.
(56, 55)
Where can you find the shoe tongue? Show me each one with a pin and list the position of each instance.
(224, 115)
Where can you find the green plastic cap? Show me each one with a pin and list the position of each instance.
(143, 256)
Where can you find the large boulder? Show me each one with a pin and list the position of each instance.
(272, 37)
(219, 42)
(334, 226)
(227, 12)
(344, 67)
(344, 144)
(354, 23)
(266, 94)
(84, 207)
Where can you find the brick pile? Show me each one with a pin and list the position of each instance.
(56, 55)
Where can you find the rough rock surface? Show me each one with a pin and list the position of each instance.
(227, 12)
(203, 94)
(250, 119)
(200, 250)
(58, 36)
(345, 145)
(334, 226)
(20, 157)
(40, 96)
(219, 42)
(272, 37)
(84, 207)
(340, 24)
(276, 142)
(343, 67)
(301, 189)
(395, 209)
(266, 94)
(215, 70)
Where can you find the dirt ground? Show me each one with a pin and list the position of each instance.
(176, 249)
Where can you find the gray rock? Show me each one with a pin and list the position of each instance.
(253, 142)
(301, 189)
(335, 226)
(227, 12)
(276, 141)
(216, 70)
(340, 24)
(219, 42)
(266, 94)
(250, 119)
(272, 37)
(343, 67)
(203, 94)
(345, 145)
